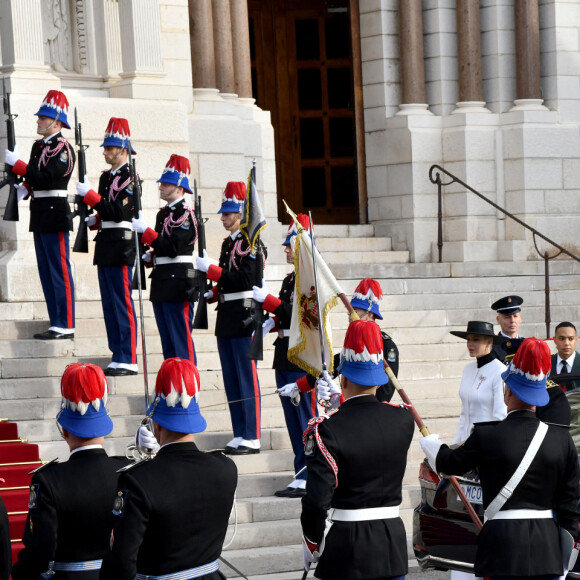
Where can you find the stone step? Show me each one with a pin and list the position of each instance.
(353, 245)
(361, 257)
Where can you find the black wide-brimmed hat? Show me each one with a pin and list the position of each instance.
(479, 327)
(508, 305)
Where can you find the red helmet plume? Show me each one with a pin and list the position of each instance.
(177, 382)
(83, 384)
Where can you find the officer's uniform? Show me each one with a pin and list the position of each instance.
(69, 520)
(356, 461)
(505, 350)
(368, 442)
(48, 173)
(171, 514)
(114, 258)
(521, 546)
(173, 278)
(238, 271)
(297, 416)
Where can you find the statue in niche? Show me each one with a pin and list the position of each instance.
(57, 34)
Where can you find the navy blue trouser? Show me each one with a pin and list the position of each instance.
(175, 325)
(297, 416)
(241, 382)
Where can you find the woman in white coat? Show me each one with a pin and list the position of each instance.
(481, 389)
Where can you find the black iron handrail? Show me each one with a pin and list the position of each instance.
(435, 177)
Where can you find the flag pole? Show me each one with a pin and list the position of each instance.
(320, 320)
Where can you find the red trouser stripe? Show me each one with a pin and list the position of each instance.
(191, 356)
(257, 398)
(312, 395)
(66, 275)
(130, 314)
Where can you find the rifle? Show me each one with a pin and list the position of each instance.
(82, 210)
(256, 351)
(139, 274)
(200, 320)
(10, 179)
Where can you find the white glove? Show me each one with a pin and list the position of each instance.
(326, 386)
(203, 264)
(139, 225)
(145, 440)
(208, 295)
(21, 192)
(91, 220)
(430, 446)
(146, 257)
(267, 325)
(309, 557)
(259, 294)
(289, 390)
(11, 157)
(84, 187)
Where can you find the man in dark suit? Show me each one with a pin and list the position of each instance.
(509, 319)
(356, 460)
(567, 360)
(171, 513)
(522, 538)
(69, 520)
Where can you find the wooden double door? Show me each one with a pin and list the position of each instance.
(303, 73)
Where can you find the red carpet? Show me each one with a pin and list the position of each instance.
(17, 459)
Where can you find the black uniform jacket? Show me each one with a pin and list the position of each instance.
(173, 515)
(525, 547)
(115, 246)
(69, 518)
(50, 214)
(390, 354)
(173, 282)
(557, 411)
(240, 271)
(506, 350)
(284, 315)
(5, 549)
(369, 441)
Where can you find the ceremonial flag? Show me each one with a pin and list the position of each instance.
(253, 220)
(304, 348)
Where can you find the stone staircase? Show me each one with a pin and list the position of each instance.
(422, 303)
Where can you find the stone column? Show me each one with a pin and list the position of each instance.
(527, 22)
(141, 46)
(202, 44)
(224, 57)
(412, 58)
(469, 55)
(241, 48)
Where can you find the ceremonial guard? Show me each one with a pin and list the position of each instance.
(529, 477)
(69, 519)
(509, 319)
(171, 513)
(298, 407)
(46, 178)
(356, 460)
(237, 272)
(173, 277)
(365, 302)
(115, 246)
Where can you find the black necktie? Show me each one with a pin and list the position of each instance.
(564, 368)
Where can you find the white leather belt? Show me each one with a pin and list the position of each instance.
(111, 225)
(236, 296)
(523, 514)
(176, 260)
(50, 193)
(282, 332)
(184, 574)
(364, 514)
(76, 566)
